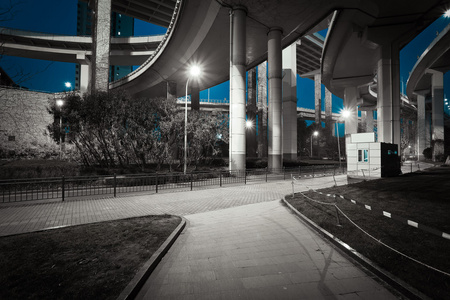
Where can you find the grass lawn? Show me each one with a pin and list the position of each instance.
(93, 261)
(422, 197)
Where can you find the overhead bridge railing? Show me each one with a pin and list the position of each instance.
(17, 190)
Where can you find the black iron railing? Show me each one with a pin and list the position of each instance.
(16, 190)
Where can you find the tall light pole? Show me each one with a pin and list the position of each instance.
(195, 72)
(315, 133)
(60, 103)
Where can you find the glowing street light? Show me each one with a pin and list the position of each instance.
(68, 84)
(249, 124)
(447, 13)
(315, 133)
(194, 71)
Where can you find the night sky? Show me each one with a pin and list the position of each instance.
(60, 17)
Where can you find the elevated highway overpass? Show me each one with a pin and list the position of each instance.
(229, 37)
(426, 87)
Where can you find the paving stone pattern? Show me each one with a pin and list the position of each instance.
(256, 251)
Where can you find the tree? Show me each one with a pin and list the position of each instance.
(110, 128)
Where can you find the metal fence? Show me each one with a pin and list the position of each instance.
(16, 190)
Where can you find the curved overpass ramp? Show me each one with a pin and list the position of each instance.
(201, 35)
(125, 51)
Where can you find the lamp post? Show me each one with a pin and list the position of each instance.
(315, 133)
(60, 103)
(194, 71)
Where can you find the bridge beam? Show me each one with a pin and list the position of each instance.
(237, 89)
(274, 61)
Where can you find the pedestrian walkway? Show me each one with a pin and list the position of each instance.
(256, 251)
(26, 217)
(240, 243)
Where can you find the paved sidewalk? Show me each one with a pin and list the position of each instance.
(256, 251)
(26, 217)
(240, 243)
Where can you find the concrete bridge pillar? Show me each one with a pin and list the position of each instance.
(237, 89)
(171, 90)
(350, 103)
(101, 41)
(437, 94)
(195, 95)
(388, 104)
(274, 61)
(251, 114)
(318, 98)
(369, 120)
(262, 110)
(421, 127)
(85, 77)
(328, 111)
(290, 102)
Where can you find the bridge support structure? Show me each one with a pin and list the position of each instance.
(290, 102)
(237, 89)
(274, 61)
(101, 39)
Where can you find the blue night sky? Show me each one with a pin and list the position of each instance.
(60, 18)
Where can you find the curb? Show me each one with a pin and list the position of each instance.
(133, 288)
(392, 281)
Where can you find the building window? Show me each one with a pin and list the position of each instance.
(12, 138)
(363, 155)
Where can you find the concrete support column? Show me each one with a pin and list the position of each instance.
(85, 77)
(328, 111)
(274, 61)
(262, 110)
(251, 113)
(290, 102)
(388, 105)
(237, 89)
(428, 129)
(350, 103)
(318, 98)
(171, 90)
(421, 128)
(369, 120)
(101, 41)
(437, 94)
(195, 96)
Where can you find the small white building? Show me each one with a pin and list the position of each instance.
(368, 158)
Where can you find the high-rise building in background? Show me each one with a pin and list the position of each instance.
(121, 26)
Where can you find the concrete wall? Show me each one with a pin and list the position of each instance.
(24, 119)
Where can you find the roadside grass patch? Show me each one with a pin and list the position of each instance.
(92, 261)
(421, 197)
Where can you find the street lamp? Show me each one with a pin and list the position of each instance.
(193, 72)
(249, 124)
(68, 84)
(60, 103)
(315, 133)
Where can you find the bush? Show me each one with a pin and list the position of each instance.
(428, 153)
(38, 169)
